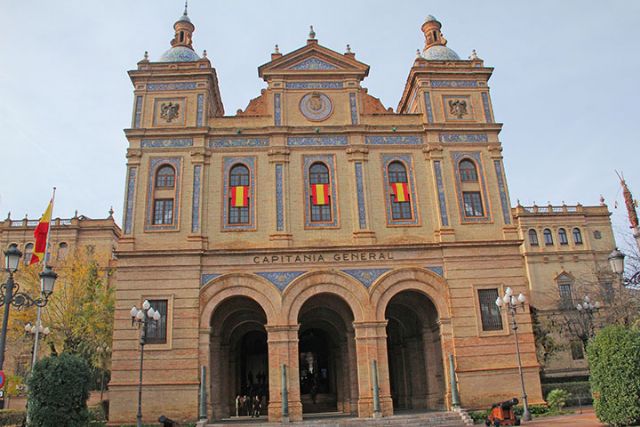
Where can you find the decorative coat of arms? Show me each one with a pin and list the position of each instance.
(169, 111)
(316, 106)
(458, 108)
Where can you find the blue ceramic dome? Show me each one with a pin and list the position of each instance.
(431, 18)
(440, 53)
(179, 54)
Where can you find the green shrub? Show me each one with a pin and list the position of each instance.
(557, 399)
(58, 392)
(579, 391)
(615, 375)
(9, 417)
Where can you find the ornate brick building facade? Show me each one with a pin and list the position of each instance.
(319, 231)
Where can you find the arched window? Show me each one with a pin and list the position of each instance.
(320, 193)
(166, 177)
(548, 237)
(533, 237)
(239, 183)
(28, 252)
(577, 236)
(164, 196)
(468, 171)
(564, 289)
(562, 236)
(63, 248)
(400, 195)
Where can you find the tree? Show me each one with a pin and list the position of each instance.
(615, 374)
(58, 392)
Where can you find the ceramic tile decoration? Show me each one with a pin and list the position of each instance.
(314, 85)
(366, 276)
(442, 200)
(362, 214)
(130, 201)
(300, 141)
(313, 64)
(153, 87)
(238, 142)
(166, 143)
(393, 140)
(279, 198)
(195, 204)
(504, 201)
(280, 278)
(463, 137)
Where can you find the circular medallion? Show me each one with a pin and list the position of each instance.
(316, 106)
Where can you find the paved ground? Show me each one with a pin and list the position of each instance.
(585, 419)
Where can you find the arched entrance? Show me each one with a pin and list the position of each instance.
(414, 351)
(239, 356)
(327, 360)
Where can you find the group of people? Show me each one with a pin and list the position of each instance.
(247, 405)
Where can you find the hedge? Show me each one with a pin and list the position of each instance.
(9, 417)
(615, 375)
(58, 392)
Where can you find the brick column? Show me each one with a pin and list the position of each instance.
(283, 349)
(371, 344)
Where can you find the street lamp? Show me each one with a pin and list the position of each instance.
(103, 353)
(37, 333)
(510, 303)
(142, 318)
(587, 310)
(616, 262)
(10, 292)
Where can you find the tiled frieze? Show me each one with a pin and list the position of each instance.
(393, 140)
(502, 188)
(238, 142)
(195, 204)
(463, 137)
(167, 143)
(306, 141)
(442, 201)
(153, 87)
(362, 213)
(366, 276)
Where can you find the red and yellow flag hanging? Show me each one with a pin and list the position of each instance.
(40, 233)
(320, 194)
(240, 196)
(400, 191)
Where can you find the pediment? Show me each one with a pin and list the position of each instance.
(314, 59)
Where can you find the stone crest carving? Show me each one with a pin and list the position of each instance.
(169, 111)
(458, 108)
(316, 106)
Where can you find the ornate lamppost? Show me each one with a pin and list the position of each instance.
(587, 311)
(511, 303)
(141, 318)
(37, 333)
(10, 293)
(616, 261)
(103, 354)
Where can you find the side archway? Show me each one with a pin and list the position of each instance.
(413, 302)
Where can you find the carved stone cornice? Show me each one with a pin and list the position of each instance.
(357, 154)
(279, 155)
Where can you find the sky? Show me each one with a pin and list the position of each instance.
(565, 84)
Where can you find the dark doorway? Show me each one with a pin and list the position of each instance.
(239, 357)
(326, 350)
(416, 373)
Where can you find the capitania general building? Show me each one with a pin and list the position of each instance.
(318, 246)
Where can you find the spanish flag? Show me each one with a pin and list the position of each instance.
(240, 196)
(400, 191)
(320, 194)
(40, 233)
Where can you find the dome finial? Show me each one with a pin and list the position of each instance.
(312, 34)
(435, 45)
(185, 7)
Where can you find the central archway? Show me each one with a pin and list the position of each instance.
(416, 371)
(327, 360)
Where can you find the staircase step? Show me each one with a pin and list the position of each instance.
(425, 419)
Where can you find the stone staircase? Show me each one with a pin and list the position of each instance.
(441, 419)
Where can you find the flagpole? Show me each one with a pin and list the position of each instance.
(44, 265)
